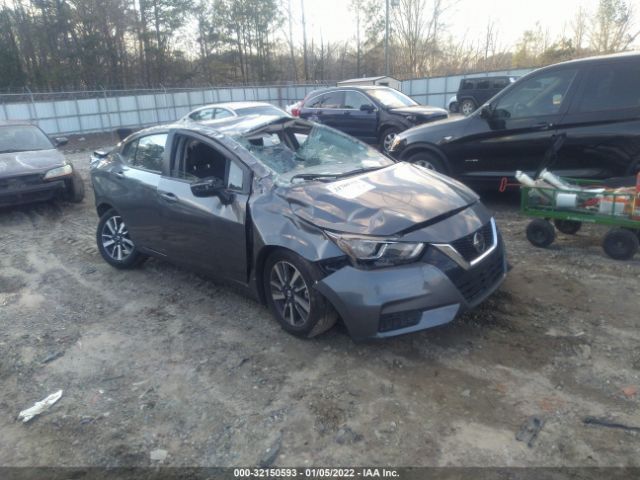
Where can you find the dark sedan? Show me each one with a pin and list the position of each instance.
(31, 169)
(372, 114)
(309, 220)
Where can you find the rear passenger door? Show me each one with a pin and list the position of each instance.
(205, 233)
(602, 126)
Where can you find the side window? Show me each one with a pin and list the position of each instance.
(333, 100)
(484, 84)
(222, 113)
(355, 100)
(128, 152)
(315, 102)
(200, 115)
(500, 83)
(467, 85)
(540, 95)
(611, 87)
(149, 151)
(197, 160)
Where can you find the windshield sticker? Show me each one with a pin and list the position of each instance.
(350, 188)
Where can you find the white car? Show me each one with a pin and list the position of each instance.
(217, 111)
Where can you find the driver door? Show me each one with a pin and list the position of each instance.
(520, 127)
(205, 233)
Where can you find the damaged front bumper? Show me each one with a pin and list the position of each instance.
(398, 300)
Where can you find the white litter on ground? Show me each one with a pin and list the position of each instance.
(39, 407)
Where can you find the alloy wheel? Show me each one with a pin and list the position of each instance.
(467, 108)
(115, 239)
(388, 140)
(290, 293)
(425, 163)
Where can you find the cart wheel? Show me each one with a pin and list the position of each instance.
(568, 227)
(620, 244)
(541, 233)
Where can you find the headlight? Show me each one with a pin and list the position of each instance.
(58, 172)
(376, 252)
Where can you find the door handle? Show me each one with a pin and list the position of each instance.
(169, 197)
(119, 174)
(544, 125)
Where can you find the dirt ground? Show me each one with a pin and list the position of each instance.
(159, 359)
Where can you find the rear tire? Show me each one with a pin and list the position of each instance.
(301, 310)
(427, 160)
(540, 233)
(568, 227)
(114, 243)
(467, 107)
(620, 243)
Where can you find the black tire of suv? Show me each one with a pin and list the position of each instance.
(321, 316)
(620, 243)
(467, 101)
(75, 188)
(427, 160)
(133, 260)
(568, 227)
(540, 233)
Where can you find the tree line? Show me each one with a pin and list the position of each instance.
(49, 45)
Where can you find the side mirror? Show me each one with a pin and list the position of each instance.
(60, 141)
(367, 108)
(486, 112)
(212, 187)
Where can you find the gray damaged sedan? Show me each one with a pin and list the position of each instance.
(314, 223)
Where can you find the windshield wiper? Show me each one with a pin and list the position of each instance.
(332, 176)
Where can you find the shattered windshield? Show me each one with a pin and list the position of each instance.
(304, 153)
(22, 138)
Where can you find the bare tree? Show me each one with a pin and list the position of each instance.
(612, 27)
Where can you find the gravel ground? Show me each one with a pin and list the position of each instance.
(160, 366)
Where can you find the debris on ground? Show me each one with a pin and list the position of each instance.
(39, 407)
(54, 356)
(529, 430)
(271, 453)
(606, 423)
(158, 455)
(630, 391)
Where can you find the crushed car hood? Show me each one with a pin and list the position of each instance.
(383, 202)
(24, 163)
(422, 110)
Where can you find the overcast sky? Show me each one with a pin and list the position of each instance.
(465, 17)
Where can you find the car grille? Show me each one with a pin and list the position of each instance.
(465, 246)
(16, 183)
(397, 320)
(474, 283)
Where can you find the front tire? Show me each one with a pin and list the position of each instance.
(288, 281)
(75, 186)
(427, 160)
(387, 138)
(114, 243)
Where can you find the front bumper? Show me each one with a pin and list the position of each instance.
(404, 299)
(23, 192)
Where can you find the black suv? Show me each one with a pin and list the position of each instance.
(594, 103)
(371, 114)
(475, 91)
